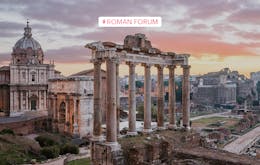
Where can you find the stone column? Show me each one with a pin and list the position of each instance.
(27, 101)
(160, 98)
(186, 96)
(172, 98)
(132, 100)
(147, 99)
(11, 101)
(21, 101)
(111, 113)
(75, 122)
(117, 99)
(67, 114)
(97, 127)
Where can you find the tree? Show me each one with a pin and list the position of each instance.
(140, 111)
(240, 100)
(139, 84)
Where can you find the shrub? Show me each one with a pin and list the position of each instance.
(50, 152)
(45, 141)
(7, 131)
(69, 148)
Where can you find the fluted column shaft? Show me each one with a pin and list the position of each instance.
(172, 98)
(147, 99)
(111, 113)
(186, 96)
(132, 100)
(97, 115)
(160, 99)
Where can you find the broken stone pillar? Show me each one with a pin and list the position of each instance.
(172, 98)
(132, 100)
(186, 96)
(147, 99)
(111, 113)
(97, 115)
(160, 98)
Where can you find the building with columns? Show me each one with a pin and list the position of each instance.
(24, 82)
(137, 50)
(71, 103)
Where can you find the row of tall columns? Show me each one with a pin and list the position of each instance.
(112, 112)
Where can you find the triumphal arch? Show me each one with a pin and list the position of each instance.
(136, 50)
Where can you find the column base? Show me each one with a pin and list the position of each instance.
(161, 128)
(115, 146)
(149, 130)
(97, 138)
(172, 126)
(188, 128)
(131, 133)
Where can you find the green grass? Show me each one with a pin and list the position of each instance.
(84, 161)
(210, 120)
(228, 123)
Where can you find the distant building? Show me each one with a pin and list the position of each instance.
(223, 87)
(255, 76)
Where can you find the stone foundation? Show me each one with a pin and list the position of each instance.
(104, 154)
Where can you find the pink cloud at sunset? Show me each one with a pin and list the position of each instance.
(217, 33)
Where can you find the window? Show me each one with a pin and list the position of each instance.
(23, 75)
(33, 77)
(42, 75)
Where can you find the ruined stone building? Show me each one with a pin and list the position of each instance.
(223, 87)
(71, 103)
(23, 84)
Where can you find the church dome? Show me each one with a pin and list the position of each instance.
(27, 50)
(27, 41)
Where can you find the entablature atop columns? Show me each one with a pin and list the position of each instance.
(134, 51)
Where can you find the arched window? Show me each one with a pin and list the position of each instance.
(62, 113)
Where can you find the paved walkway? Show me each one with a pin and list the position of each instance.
(27, 116)
(238, 145)
(221, 114)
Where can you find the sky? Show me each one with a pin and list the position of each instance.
(217, 34)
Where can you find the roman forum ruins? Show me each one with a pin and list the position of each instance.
(136, 50)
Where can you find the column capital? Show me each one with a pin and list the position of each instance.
(159, 66)
(130, 63)
(146, 65)
(171, 66)
(113, 60)
(186, 66)
(97, 61)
